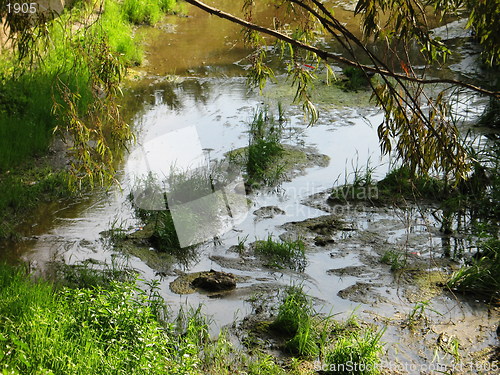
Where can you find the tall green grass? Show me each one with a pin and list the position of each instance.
(339, 344)
(88, 331)
(26, 118)
(482, 274)
(264, 146)
(356, 353)
(118, 31)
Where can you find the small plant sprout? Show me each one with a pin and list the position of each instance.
(419, 314)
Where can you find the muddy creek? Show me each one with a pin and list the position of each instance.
(195, 80)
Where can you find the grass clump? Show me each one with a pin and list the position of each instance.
(261, 159)
(146, 11)
(339, 344)
(289, 254)
(355, 353)
(295, 319)
(482, 274)
(401, 183)
(25, 120)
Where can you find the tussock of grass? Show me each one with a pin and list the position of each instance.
(290, 254)
(338, 343)
(356, 353)
(399, 183)
(264, 150)
(482, 275)
(295, 318)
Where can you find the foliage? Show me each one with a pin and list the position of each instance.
(25, 120)
(483, 19)
(338, 343)
(290, 254)
(77, 74)
(491, 116)
(400, 182)
(356, 353)
(294, 310)
(94, 330)
(118, 33)
(417, 125)
(264, 149)
(65, 78)
(142, 11)
(295, 318)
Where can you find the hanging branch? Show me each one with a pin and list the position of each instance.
(325, 55)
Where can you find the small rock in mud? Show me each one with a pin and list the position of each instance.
(215, 281)
(350, 271)
(325, 225)
(268, 212)
(209, 281)
(362, 293)
(323, 240)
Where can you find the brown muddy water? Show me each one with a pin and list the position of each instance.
(194, 79)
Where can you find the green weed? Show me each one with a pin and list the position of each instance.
(142, 11)
(290, 254)
(119, 34)
(401, 183)
(295, 309)
(89, 274)
(420, 314)
(86, 330)
(396, 259)
(264, 149)
(482, 274)
(356, 353)
(264, 364)
(295, 319)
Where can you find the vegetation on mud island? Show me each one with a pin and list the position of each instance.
(344, 347)
(288, 253)
(261, 159)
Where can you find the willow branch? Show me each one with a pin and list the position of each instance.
(325, 55)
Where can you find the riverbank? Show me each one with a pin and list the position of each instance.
(55, 98)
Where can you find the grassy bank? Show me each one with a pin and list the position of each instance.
(89, 331)
(65, 54)
(120, 328)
